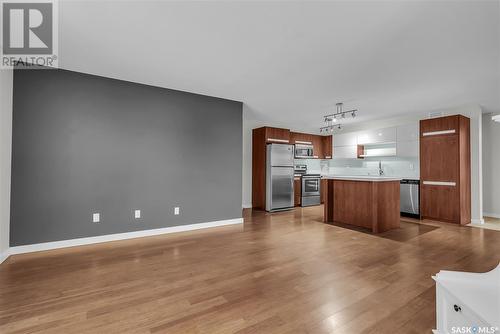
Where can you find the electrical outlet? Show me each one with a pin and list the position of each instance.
(412, 167)
(177, 210)
(96, 217)
(137, 214)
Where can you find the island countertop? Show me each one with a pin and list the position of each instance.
(368, 178)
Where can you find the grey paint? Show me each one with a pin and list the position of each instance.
(84, 144)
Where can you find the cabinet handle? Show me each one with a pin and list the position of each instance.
(277, 140)
(457, 308)
(437, 133)
(440, 183)
(315, 156)
(303, 142)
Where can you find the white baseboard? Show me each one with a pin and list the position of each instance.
(118, 236)
(492, 215)
(247, 206)
(4, 255)
(477, 221)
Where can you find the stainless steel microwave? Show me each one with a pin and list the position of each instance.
(303, 151)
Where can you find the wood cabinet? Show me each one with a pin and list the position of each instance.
(327, 146)
(445, 186)
(317, 147)
(297, 191)
(277, 135)
(301, 138)
(448, 125)
(260, 138)
(367, 204)
(323, 190)
(322, 149)
(322, 145)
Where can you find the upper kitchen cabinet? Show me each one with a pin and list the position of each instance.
(277, 135)
(346, 152)
(387, 135)
(317, 147)
(345, 145)
(345, 139)
(407, 149)
(301, 138)
(322, 145)
(327, 146)
(408, 132)
(407, 145)
(448, 125)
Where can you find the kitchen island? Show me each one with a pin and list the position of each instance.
(370, 202)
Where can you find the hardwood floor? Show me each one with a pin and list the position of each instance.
(490, 223)
(281, 273)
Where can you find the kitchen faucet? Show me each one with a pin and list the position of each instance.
(380, 170)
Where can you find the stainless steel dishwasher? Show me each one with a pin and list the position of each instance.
(410, 192)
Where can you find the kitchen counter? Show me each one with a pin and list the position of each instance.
(370, 202)
(368, 178)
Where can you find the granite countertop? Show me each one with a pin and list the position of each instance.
(368, 178)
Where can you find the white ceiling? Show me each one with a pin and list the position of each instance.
(290, 62)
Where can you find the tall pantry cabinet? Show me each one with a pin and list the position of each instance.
(445, 183)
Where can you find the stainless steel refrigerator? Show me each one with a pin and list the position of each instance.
(279, 177)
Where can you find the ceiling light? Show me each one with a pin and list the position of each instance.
(496, 118)
(333, 118)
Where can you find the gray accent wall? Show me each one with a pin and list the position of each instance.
(84, 144)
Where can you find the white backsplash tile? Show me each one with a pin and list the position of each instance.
(392, 166)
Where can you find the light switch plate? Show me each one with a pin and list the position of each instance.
(137, 214)
(96, 217)
(177, 210)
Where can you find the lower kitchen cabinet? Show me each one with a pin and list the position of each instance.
(297, 189)
(323, 185)
(440, 202)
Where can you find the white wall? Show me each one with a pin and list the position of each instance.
(474, 112)
(248, 124)
(5, 158)
(491, 167)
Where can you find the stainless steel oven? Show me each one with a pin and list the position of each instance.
(311, 189)
(303, 151)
